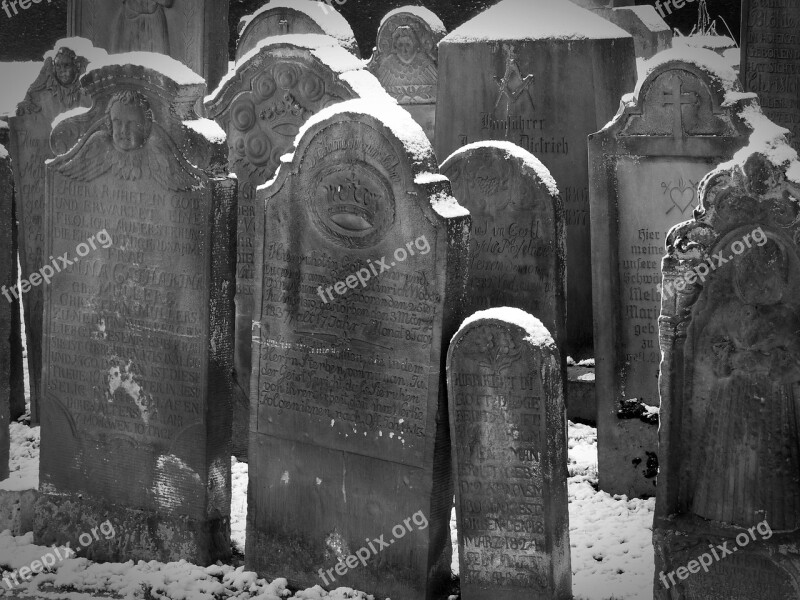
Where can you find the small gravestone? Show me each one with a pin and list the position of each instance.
(646, 167)
(508, 427)
(728, 503)
(138, 321)
(543, 74)
(7, 315)
(770, 55)
(261, 106)
(288, 17)
(406, 60)
(56, 90)
(195, 32)
(360, 278)
(517, 242)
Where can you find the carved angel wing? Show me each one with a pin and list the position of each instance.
(42, 82)
(163, 164)
(91, 161)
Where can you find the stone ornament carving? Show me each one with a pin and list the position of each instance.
(59, 79)
(141, 25)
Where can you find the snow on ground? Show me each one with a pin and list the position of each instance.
(24, 460)
(610, 536)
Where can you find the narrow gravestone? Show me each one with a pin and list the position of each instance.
(360, 268)
(406, 60)
(770, 55)
(138, 321)
(261, 105)
(195, 32)
(509, 432)
(543, 74)
(7, 315)
(728, 504)
(56, 90)
(679, 124)
(288, 17)
(517, 243)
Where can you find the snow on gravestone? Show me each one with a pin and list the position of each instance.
(543, 74)
(138, 330)
(517, 242)
(7, 315)
(509, 432)
(406, 58)
(730, 383)
(679, 124)
(770, 55)
(261, 105)
(57, 89)
(195, 32)
(349, 435)
(287, 17)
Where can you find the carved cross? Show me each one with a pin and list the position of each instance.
(284, 26)
(677, 98)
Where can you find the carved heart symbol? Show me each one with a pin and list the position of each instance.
(683, 199)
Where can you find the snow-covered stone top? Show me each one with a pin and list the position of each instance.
(80, 46)
(327, 17)
(704, 59)
(648, 16)
(209, 129)
(447, 206)
(3, 152)
(68, 114)
(166, 65)
(538, 335)
(521, 20)
(433, 21)
(512, 150)
(3, 126)
(704, 41)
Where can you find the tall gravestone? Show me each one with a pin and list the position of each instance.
(195, 32)
(406, 59)
(7, 315)
(646, 166)
(509, 430)
(770, 55)
(348, 435)
(517, 243)
(289, 17)
(138, 322)
(261, 106)
(56, 90)
(543, 74)
(729, 486)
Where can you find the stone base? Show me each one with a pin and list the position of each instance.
(756, 570)
(581, 400)
(138, 534)
(17, 511)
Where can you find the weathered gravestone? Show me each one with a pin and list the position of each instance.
(55, 91)
(287, 17)
(517, 243)
(770, 58)
(7, 315)
(509, 432)
(195, 32)
(730, 382)
(646, 165)
(261, 105)
(349, 434)
(406, 60)
(543, 74)
(138, 321)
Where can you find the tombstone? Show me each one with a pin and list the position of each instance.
(729, 384)
(7, 315)
(545, 88)
(138, 322)
(646, 166)
(406, 60)
(261, 105)
(508, 427)
(56, 90)
(195, 32)
(770, 51)
(287, 17)
(517, 243)
(348, 434)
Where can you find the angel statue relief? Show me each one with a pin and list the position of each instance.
(57, 88)
(142, 25)
(408, 65)
(747, 373)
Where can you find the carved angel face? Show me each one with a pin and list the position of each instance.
(130, 121)
(65, 69)
(406, 45)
